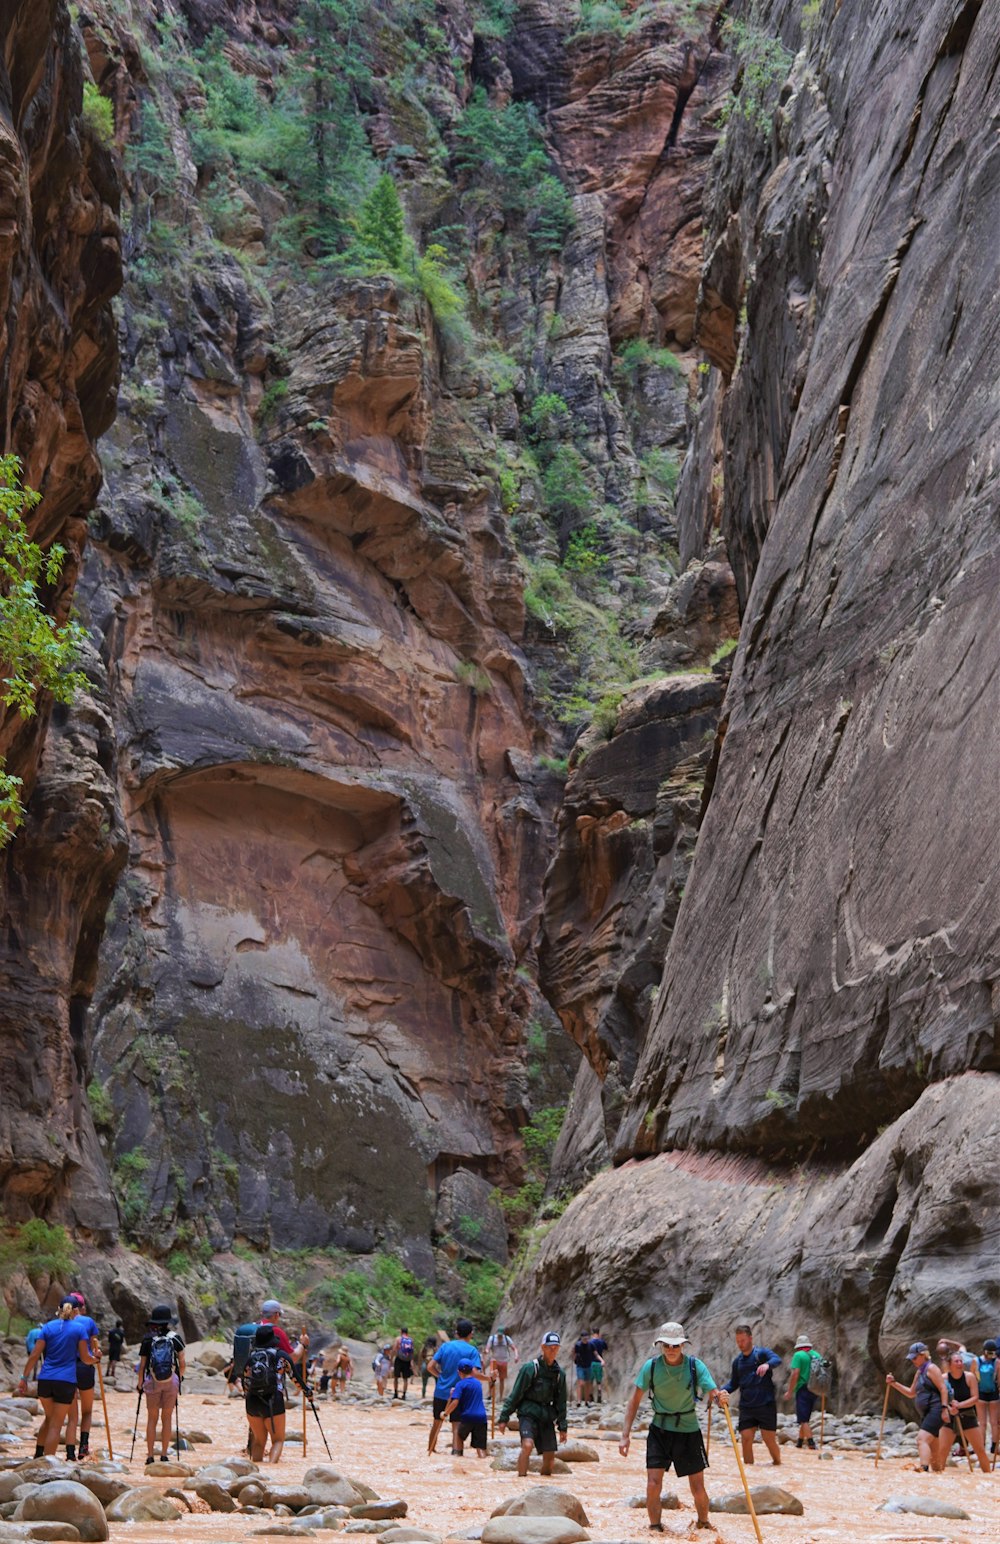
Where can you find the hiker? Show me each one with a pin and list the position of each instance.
(426, 1357)
(116, 1342)
(62, 1345)
(33, 1336)
(674, 1382)
(963, 1391)
(444, 1366)
(988, 1408)
(583, 1361)
(598, 1345)
(82, 1413)
(499, 1349)
(161, 1368)
(753, 1374)
(929, 1392)
(467, 1409)
(381, 1367)
(538, 1399)
(270, 1313)
(800, 1371)
(343, 1368)
(264, 1390)
(402, 1361)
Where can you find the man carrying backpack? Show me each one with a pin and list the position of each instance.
(161, 1368)
(674, 1382)
(752, 1373)
(402, 1361)
(538, 1398)
(800, 1371)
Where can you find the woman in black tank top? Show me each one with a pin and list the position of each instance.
(963, 1389)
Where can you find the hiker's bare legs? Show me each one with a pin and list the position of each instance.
(523, 1457)
(770, 1441)
(654, 1489)
(699, 1495)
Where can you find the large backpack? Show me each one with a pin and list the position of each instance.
(260, 1375)
(243, 1342)
(692, 1374)
(405, 1347)
(820, 1374)
(161, 1364)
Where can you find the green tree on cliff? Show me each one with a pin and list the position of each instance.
(336, 80)
(37, 653)
(380, 227)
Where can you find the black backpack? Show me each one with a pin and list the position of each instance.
(243, 1342)
(260, 1376)
(161, 1364)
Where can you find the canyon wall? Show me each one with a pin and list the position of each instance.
(818, 1071)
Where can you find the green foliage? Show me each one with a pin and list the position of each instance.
(271, 399)
(468, 673)
(501, 154)
(541, 1134)
(482, 1292)
(565, 486)
(439, 287)
(764, 63)
(494, 18)
(374, 1304)
(583, 551)
(547, 419)
(101, 1109)
(128, 1182)
(724, 650)
(811, 15)
(605, 18)
(98, 115)
(662, 467)
(37, 1249)
(638, 354)
(149, 157)
(558, 766)
(36, 652)
(380, 226)
(605, 714)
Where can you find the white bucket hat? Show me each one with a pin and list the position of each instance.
(671, 1334)
(803, 1343)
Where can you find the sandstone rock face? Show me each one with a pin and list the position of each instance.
(60, 265)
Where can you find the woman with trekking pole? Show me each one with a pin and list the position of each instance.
(264, 1390)
(161, 1368)
(963, 1387)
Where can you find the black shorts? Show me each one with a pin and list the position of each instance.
(86, 1377)
(402, 1367)
(931, 1421)
(989, 1399)
(438, 1405)
(684, 1449)
(541, 1433)
(968, 1418)
(765, 1416)
(474, 1429)
(264, 1408)
(55, 1389)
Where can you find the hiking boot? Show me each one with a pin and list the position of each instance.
(151, 1458)
(811, 1443)
(656, 1527)
(800, 1443)
(71, 1452)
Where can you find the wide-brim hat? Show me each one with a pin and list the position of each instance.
(803, 1343)
(670, 1334)
(160, 1315)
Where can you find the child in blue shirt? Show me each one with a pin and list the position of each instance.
(467, 1409)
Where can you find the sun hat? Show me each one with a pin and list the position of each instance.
(918, 1348)
(803, 1343)
(160, 1315)
(551, 1339)
(670, 1334)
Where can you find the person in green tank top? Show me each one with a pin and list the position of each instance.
(674, 1382)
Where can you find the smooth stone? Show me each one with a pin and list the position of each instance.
(104, 1486)
(197, 1437)
(380, 1511)
(924, 1506)
(142, 1506)
(251, 1495)
(326, 1517)
(578, 1453)
(533, 1530)
(222, 1474)
(216, 1495)
(506, 1462)
(768, 1500)
(64, 1501)
(331, 1488)
(292, 1496)
(178, 1495)
(409, 1535)
(668, 1501)
(173, 1470)
(365, 1525)
(544, 1502)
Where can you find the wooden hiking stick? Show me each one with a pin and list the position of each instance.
(885, 1406)
(104, 1407)
(493, 1407)
(743, 1474)
(957, 1417)
(822, 1421)
(304, 1413)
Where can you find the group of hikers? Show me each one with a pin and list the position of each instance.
(957, 1399)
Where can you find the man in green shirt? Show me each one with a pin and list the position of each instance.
(805, 1402)
(673, 1382)
(539, 1400)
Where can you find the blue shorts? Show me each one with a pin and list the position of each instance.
(805, 1404)
(584, 1373)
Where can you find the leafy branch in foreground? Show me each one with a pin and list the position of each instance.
(37, 653)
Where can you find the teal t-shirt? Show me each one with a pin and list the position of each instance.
(673, 1401)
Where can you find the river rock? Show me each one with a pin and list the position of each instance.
(214, 1493)
(578, 1453)
(380, 1511)
(925, 1506)
(767, 1499)
(408, 1535)
(104, 1486)
(542, 1501)
(64, 1501)
(142, 1505)
(326, 1484)
(506, 1461)
(533, 1530)
(292, 1496)
(668, 1501)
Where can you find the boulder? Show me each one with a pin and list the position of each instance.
(533, 1530)
(408, 1535)
(329, 1487)
(104, 1486)
(52, 1531)
(142, 1505)
(767, 1500)
(506, 1461)
(578, 1453)
(365, 1525)
(209, 1353)
(196, 1437)
(380, 1511)
(64, 1501)
(544, 1502)
(924, 1506)
(251, 1495)
(292, 1496)
(173, 1470)
(211, 1491)
(10, 1482)
(327, 1517)
(668, 1501)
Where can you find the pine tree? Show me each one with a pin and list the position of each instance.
(381, 224)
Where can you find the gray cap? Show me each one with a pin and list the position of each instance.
(271, 1306)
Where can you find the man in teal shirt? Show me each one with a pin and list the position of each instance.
(674, 1381)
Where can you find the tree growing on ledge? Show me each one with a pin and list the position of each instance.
(37, 653)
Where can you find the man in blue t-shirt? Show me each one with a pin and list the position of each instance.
(444, 1367)
(752, 1373)
(467, 1409)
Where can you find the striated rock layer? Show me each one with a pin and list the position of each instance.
(834, 962)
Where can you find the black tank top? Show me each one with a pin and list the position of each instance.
(960, 1390)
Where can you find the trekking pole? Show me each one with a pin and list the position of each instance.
(104, 1406)
(822, 1421)
(135, 1428)
(493, 1408)
(319, 1423)
(743, 1474)
(965, 1445)
(303, 1426)
(885, 1406)
(177, 1421)
(708, 1434)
